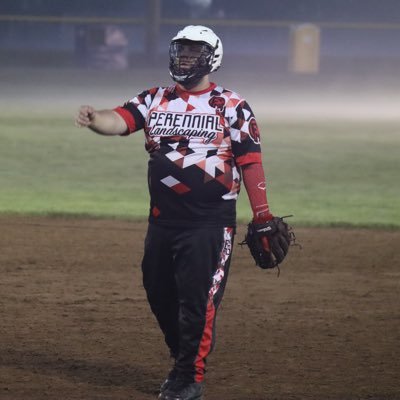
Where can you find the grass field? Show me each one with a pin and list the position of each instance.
(325, 173)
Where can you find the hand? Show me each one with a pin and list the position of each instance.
(265, 244)
(261, 218)
(269, 242)
(85, 117)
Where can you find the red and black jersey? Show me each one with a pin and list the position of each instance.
(196, 141)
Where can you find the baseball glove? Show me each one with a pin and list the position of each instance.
(269, 242)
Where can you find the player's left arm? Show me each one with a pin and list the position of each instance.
(246, 146)
(256, 188)
(268, 237)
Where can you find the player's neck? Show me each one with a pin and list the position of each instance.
(198, 87)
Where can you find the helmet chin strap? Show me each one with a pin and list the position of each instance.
(190, 82)
(201, 84)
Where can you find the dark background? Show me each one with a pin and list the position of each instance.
(372, 41)
(311, 10)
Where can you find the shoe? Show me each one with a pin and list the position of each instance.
(169, 380)
(180, 390)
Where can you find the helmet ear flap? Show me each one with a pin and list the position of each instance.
(206, 57)
(217, 55)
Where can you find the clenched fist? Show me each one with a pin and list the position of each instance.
(85, 116)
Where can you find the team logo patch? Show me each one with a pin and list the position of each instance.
(254, 132)
(262, 186)
(217, 102)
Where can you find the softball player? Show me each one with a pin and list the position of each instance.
(202, 141)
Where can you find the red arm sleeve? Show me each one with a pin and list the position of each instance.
(128, 118)
(254, 182)
(134, 111)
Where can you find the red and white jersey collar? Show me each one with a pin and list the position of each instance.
(181, 91)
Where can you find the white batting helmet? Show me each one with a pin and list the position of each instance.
(210, 53)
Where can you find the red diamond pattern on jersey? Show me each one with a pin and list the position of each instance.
(208, 165)
(198, 149)
(214, 167)
(175, 185)
(232, 102)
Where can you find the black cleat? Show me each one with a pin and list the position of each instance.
(180, 390)
(169, 380)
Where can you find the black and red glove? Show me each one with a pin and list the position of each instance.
(269, 241)
(267, 237)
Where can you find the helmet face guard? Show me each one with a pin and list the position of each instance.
(189, 61)
(194, 52)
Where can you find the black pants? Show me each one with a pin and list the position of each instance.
(184, 275)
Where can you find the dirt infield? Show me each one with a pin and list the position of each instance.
(75, 323)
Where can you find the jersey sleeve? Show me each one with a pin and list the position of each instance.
(134, 112)
(245, 136)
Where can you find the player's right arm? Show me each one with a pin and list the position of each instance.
(103, 122)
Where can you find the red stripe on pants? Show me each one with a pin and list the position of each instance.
(207, 337)
(205, 343)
